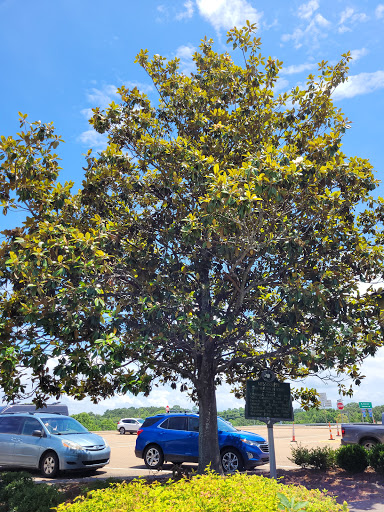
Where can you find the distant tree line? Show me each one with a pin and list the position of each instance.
(108, 420)
(351, 413)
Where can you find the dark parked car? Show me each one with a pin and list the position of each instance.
(175, 438)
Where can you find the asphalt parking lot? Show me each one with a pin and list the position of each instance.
(125, 464)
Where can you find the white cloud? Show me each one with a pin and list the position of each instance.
(188, 12)
(320, 21)
(281, 85)
(225, 14)
(363, 83)
(87, 113)
(102, 97)
(312, 32)
(343, 29)
(352, 17)
(143, 87)
(306, 10)
(346, 14)
(94, 140)
(358, 54)
(184, 53)
(299, 68)
(349, 14)
(379, 12)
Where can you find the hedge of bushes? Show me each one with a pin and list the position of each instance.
(208, 493)
(352, 458)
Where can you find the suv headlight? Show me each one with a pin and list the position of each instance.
(251, 443)
(72, 446)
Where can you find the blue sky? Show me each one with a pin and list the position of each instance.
(60, 59)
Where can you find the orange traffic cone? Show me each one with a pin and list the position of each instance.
(337, 427)
(293, 433)
(330, 433)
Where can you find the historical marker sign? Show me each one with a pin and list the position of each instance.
(268, 401)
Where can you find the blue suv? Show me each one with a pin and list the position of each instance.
(175, 438)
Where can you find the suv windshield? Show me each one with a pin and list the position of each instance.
(224, 426)
(59, 425)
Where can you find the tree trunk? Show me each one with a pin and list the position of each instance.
(209, 454)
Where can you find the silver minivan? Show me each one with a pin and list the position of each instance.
(50, 442)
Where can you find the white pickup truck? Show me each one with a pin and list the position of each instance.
(365, 434)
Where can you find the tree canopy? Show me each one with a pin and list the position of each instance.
(222, 231)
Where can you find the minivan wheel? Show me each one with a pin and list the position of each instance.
(153, 457)
(49, 465)
(122, 430)
(231, 460)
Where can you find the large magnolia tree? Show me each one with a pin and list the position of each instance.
(222, 231)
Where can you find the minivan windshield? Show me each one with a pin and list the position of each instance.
(224, 426)
(63, 425)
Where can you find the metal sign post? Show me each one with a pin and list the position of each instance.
(272, 454)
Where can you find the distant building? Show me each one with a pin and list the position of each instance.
(325, 403)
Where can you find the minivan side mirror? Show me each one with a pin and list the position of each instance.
(37, 433)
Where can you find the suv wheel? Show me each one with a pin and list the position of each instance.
(49, 465)
(122, 430)
(231, 460)
(153, 457)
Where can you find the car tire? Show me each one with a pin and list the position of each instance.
(231, 460)
(153, 457)
(122, 430)
(49, 465)
(368, 443)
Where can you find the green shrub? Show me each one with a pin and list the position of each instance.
(352, 458)
(209, 492)
(322, 458)
(376, 458)
(8, 480)
(300, 456)
(19, 493)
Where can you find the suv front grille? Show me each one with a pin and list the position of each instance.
(264, 447)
